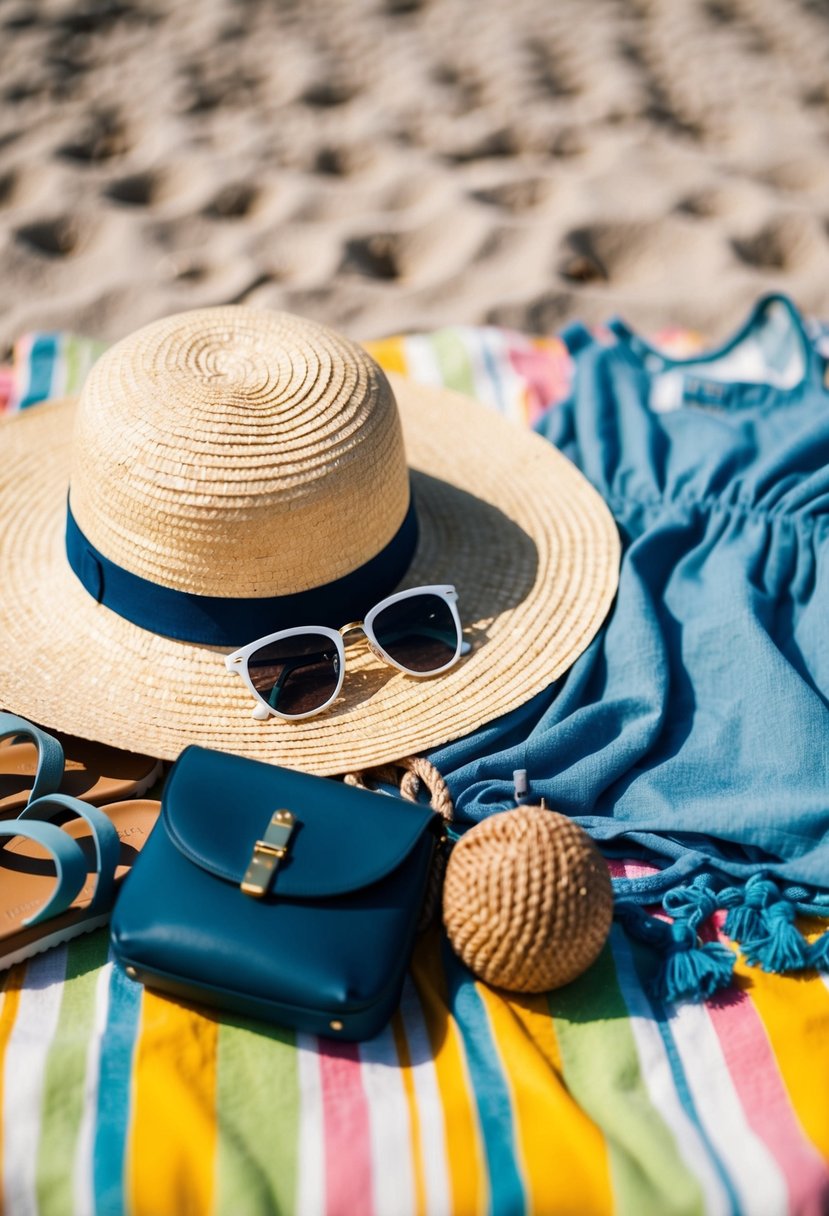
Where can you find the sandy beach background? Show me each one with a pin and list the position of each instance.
(388, 165)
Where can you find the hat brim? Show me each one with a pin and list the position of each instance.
(530, 546)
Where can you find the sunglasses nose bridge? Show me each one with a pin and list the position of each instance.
(351, 627)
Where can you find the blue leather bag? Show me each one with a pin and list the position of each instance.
(277, 895)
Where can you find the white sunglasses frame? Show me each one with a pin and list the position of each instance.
(238, 660)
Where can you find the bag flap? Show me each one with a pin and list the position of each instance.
(216, 806)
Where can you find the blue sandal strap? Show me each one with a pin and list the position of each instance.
(50, 759)
(104, 835)
(70, 864)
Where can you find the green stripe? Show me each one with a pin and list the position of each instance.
(71, 374)
(601, 1070)
(79, 354)
(453, 360)
(66, 1063)
(257, 1102)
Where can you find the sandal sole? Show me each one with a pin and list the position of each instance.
(54, 939)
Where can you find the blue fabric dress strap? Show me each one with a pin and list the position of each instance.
(576, 336)
(50, 759)
(70, 864)
(814, 361)
(220, 621)
(104, 836)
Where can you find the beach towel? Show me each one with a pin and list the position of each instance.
(598, 1098)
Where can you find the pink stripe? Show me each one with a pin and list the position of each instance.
(759, 1086)
(21, 370)
(347, 1133)
(7, 387)
(546, 374)
(629, 869)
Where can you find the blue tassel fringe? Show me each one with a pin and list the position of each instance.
(694, 974)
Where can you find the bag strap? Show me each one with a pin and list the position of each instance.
(408, 775)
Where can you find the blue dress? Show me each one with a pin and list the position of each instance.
(694, 732)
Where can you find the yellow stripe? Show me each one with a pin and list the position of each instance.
(551, 346)
(172, 1151)
(533, 1012)
(795, 1012)
(390, 353)
(526, 406)
(8, 1016)
(464, 1150)
(405, 1061)
(562, 1153)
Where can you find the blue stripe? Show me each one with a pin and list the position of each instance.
(42, 359)
(114, 1095)
(215, 620)
(643, 968)
(491, 364)
(491, 1093)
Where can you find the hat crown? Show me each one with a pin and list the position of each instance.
(237, 452)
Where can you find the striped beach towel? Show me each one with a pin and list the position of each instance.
(590, 1100)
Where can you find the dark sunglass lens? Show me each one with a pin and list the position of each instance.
(296, 675)
(419, 633)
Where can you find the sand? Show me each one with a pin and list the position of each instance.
(387, 166)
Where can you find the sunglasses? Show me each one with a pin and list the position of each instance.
(297, 673)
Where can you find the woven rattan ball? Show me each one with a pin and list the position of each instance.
(527, 900)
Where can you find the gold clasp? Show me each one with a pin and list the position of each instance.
(267, 854)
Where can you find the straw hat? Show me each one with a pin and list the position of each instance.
(246, 455)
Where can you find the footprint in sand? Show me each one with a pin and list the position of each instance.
(630, 251)
(326, 93)
(376, 257)
(785, 242)
(342, 160)
(516, 196)
(234, 201)
(137, 189)
(105, 136)
(53, 238)
(500, 143)
(9, 187)
(429, 253)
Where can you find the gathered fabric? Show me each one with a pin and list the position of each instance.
(694, 732)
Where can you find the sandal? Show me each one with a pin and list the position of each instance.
(34, 763)
(46, 896)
